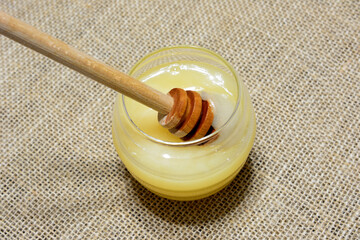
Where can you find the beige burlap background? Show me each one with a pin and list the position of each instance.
(60, 177)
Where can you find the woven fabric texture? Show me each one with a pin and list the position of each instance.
(61, 178)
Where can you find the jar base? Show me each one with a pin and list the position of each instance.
(190, 195)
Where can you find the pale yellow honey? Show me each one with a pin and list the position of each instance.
(191, 172)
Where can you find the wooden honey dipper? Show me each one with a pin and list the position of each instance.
(184, 113)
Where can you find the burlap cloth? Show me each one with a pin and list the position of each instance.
(60, 177)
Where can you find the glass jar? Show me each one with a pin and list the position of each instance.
(186, 170)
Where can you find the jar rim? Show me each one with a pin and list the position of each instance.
(200, 140)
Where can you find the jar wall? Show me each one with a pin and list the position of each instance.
(185, 172)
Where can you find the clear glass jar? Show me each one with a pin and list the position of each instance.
(186, 170)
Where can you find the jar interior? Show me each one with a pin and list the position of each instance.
(190, 68)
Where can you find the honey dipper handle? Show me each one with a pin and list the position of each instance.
(83, 63)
